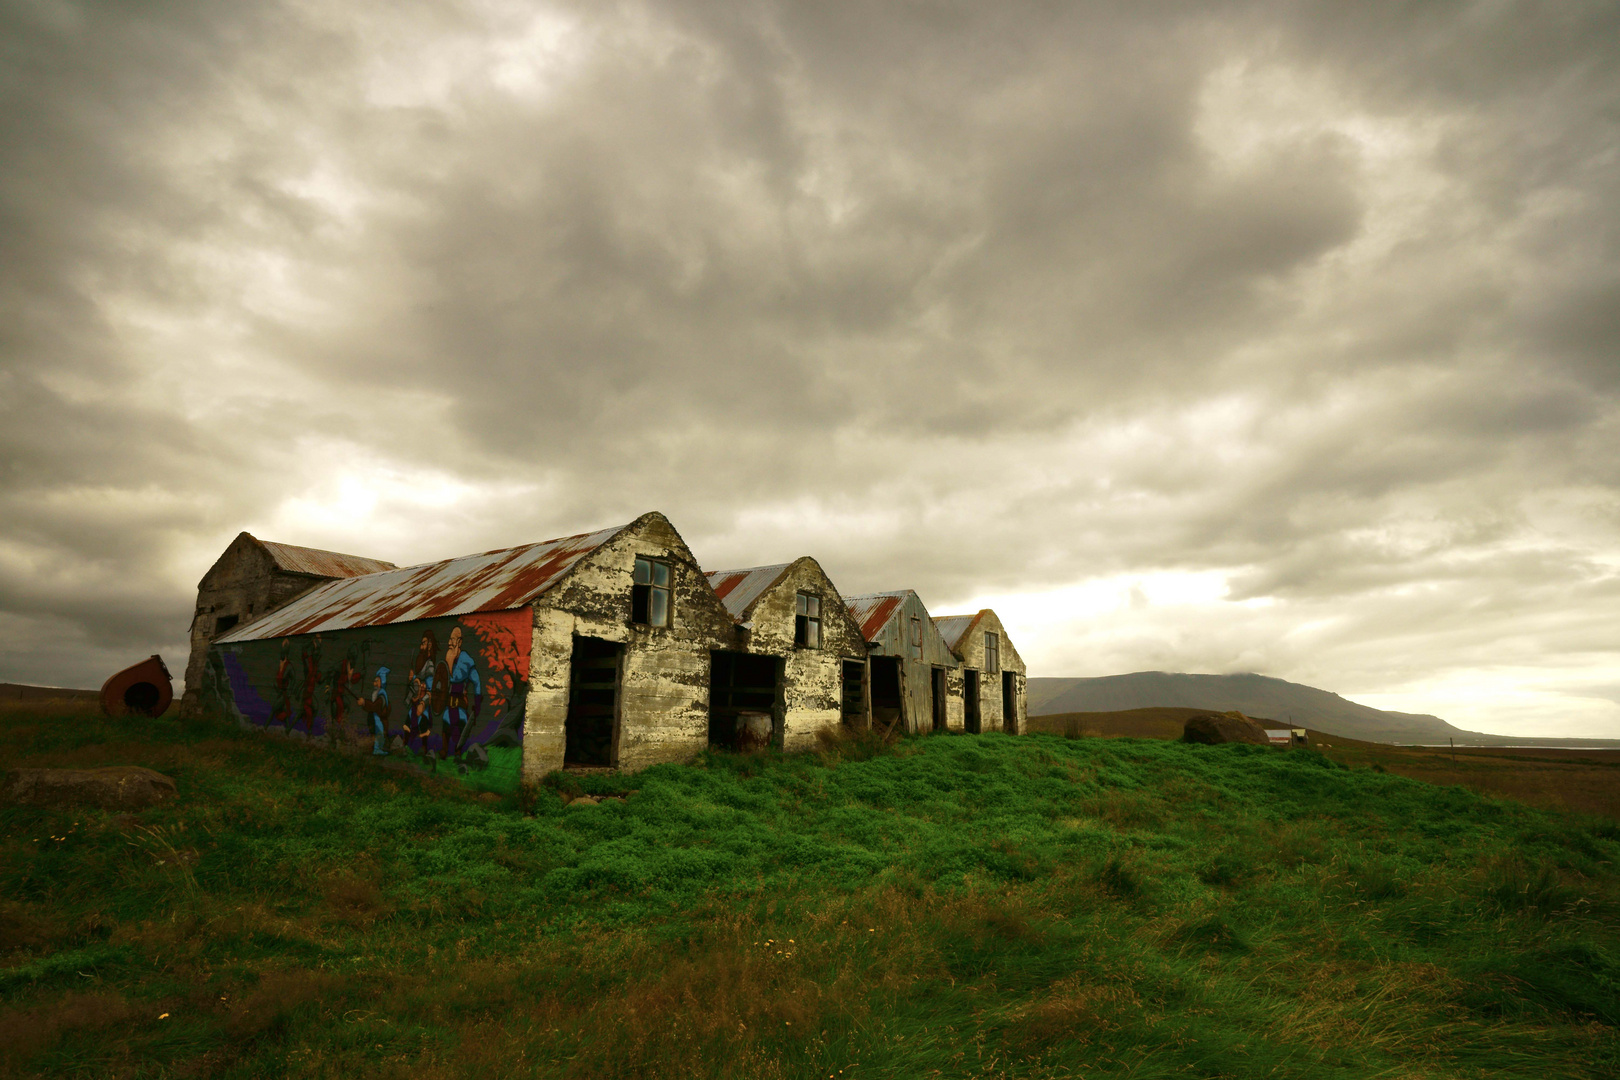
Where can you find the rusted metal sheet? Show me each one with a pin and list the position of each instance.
(738, 589)
(953, 628)
(331, 564)
(874, 610)
(491, 581)
(143, 689)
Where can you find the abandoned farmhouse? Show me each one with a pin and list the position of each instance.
(608, 649)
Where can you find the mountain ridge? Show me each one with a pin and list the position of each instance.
(1255, 695)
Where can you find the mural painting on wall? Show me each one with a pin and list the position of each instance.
(444, 694)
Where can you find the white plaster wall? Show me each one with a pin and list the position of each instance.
(664, 690)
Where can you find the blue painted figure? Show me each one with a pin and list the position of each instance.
(379, 712)
(464, 704)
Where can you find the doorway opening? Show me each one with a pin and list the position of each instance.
(936, 685)
(970, 701)
(1009, 702)
(592, 728)
(886, 708)
(854, 698)
(741, 685)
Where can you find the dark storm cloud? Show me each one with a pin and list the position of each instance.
(988, 298)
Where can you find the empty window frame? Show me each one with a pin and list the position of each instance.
(649, 595)
(807, 621)
(992, 652)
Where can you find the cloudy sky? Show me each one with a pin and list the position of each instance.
(1194, 337)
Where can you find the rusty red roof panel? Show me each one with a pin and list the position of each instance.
(491, 581)
(738, 589)
(331, 564)
(874, 610)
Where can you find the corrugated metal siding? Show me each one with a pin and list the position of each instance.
(738, 589)
(492, 581)
(874, 610)
(954, 627)
(332, 564)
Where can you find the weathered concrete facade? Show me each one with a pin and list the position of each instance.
(992, 673)
(251, 578)
(661, 702)
(794, 612)
(901, 637)
(610, 649)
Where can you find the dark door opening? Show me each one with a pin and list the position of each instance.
(741, 683)
(970, 701)
(854, 700)
(1009, 702)
(885, 691)
(591, 730)
(936, 685)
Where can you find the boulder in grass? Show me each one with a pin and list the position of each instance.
(118, 787)
(1213, 728)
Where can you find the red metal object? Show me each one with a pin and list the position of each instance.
(874, 611)
(491, 581)
(737, 589)
(143, 689)
(318, 563)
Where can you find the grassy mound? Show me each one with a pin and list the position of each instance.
(954, 905)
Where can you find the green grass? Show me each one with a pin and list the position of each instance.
(954, 905)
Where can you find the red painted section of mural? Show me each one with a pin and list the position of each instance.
(504, 637)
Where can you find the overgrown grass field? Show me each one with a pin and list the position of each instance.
(949, 906)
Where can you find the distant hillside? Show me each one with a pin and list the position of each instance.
(21, 692)
(1254, 695)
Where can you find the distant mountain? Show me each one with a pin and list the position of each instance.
(1254, 695)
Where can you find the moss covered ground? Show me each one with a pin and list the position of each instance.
(946, 906)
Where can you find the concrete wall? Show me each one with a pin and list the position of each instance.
(244, 582)
(664, 689)
(911, 635)
(812, 679)
(972, 652)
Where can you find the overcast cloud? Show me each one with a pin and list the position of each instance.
(1194, 337)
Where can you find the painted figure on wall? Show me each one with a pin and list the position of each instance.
(312, 680)
(462, 705)
(418, 723)
(463, 686)
(283, 711)
(377, 709)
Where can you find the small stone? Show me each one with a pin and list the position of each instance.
(584, 800)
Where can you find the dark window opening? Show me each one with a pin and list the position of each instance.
(649, 594)
(742, 688)
(885, 690)
(854, 706)
(970, 702)
(224, 623)
(992, 652)
(937, 687)
(807, 622)
(593, 703)
(1009, 702)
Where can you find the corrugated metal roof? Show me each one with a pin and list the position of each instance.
(492, 581)
(738, 589)
(953, 628)
(332, 564)
(874, 610)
